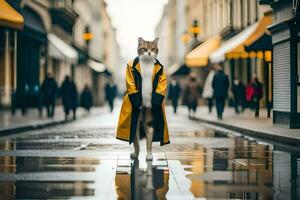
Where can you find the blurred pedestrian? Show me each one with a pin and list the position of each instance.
(86, 99)
(68, 92)
(110, 93)
(49, 91)
(191, 94)
(220, 86)
(208, 91)
(257, 94)
(238, 90)
(174, 94)
(249, 95)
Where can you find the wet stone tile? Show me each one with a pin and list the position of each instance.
(79, 162)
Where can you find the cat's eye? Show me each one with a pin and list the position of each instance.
(143, 49)
(153, 49)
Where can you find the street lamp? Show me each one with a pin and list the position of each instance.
(87, 36)
(195, 29)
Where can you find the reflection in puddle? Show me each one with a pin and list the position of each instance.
(242, 170)
(46, 164)
(150, 183)
(44, 190)
(53, 177)
(204, 164)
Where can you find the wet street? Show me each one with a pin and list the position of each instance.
(83, 160)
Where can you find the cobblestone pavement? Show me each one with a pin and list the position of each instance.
(83, 160)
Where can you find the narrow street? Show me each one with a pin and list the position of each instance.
(83, 160)
(231, 68)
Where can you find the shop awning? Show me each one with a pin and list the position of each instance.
(9, 17)
(182, 71)
(82, 54)
(264, 43)
(232, 44)
(235, 47)
(60, 50)
(200, 55)
(261, 48)
(96, 66)
(262, 33)
(178, 69)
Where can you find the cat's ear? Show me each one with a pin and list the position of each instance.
(141, 40)
(156, 40)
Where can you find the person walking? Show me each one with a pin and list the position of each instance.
(257, 94)
(86, 99)
(208, 90)
(68, 92)
(238, 90)
(249, 95)
(191, 95)
(49, 91)
(174, 94)
(110, 93)
(220, 86)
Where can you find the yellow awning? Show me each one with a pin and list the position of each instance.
(9, 17)
(200, 55)
(239, 51)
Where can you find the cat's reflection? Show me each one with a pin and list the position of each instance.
(149, 184)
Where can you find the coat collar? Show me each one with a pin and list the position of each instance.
(137, 64)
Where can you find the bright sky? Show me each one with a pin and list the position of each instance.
(133, 19)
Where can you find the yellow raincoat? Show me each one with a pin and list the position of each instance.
(132, 101)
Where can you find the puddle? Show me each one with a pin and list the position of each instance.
(203, 165)
(136, 182)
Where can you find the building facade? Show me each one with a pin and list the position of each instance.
(8, 51)
(51, 39)
(169, 30)
(286, 67)
(111, 49)
(221, 19)
(89, 24)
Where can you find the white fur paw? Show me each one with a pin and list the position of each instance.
(133, 156)
(149, 157)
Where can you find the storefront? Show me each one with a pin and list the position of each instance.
(32, 43)
(240, 63)
(286, 73)
(100, 77)
(262, 46)
(62, 58)
(10, 22)
(286, 62)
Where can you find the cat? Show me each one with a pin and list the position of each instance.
(142, 111)
(147, 52)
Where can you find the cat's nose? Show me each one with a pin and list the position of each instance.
(149, 53)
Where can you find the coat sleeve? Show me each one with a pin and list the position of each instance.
(160, 92)
(213, 82)
(132, 90)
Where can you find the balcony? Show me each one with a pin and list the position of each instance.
(63, 14)
(229, 31)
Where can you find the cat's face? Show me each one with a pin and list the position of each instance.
(147, 50)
